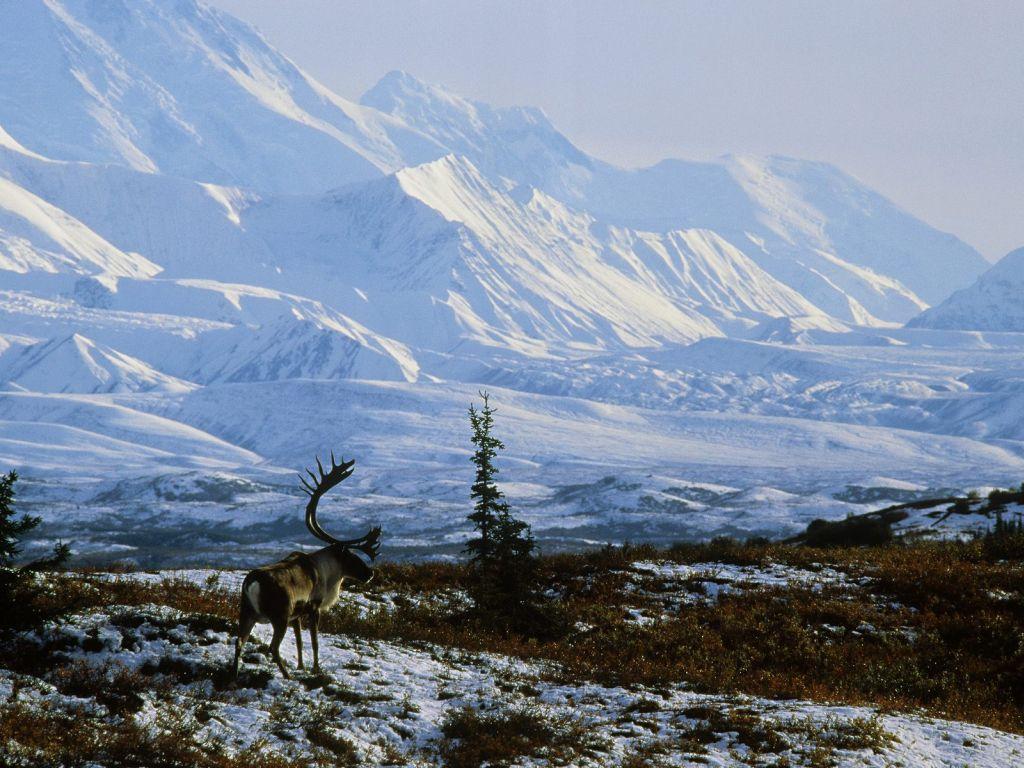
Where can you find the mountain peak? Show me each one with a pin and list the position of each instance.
(394, 81)
(400, 94)
(1012, 264)
(397, 88)
(161, 87)
(450, 165)
(514, 143)
(991, 304)
(75, 363)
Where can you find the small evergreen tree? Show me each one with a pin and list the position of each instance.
(489, 502)
(19, 588)
(1000, 528)
(12, 529)
(1005, 541)
(502, 552)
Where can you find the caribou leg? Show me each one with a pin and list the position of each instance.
(297, 626)
(314, 639)
(280, 629)
(246, 621)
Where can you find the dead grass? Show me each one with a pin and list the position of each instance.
(762, 741)
(940, 634)
(43, 737)
(321, 728)
(474, 737)
(117, 688)
(943, 623)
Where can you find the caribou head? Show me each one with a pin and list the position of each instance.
(303, 586)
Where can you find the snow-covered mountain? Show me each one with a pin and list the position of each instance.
(77, 364)
(185, 90)
(473, 263)
(845, 247)
(211, 266)
(36, 236)
(993, 303)
(186, 227)
(515, 143)
(168, 89)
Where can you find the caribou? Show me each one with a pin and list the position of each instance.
(304, 585)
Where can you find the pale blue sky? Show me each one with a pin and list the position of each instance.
(922, 100)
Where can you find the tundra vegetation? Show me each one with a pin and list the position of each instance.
(934, 628)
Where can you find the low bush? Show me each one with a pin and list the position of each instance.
(117, 688)
(34, 736)
(873, 530)
(475, 737)
(933, 625)
(937, 625)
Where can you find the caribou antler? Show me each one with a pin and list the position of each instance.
(368, 544)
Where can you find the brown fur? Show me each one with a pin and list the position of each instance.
(302, 585)
(285, 589)
(294, 589)
(285, 586)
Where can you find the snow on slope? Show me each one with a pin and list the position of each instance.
(695, 269)
(81, 308)
(186, 227)
(701, 269)
(37, 236)
(199, 330)
(458, 259)
(387, 702)
(272, 335)
(515, 143)
(547, 432)
(953, 383)
(294, 348)
(219, 60)
(542, 269)
(9, 144)
(578, 471)
(844, 247)
(136, 83)
(710, 285)
(821, 209)
(993, 303)
(463, 258)
(88, 437)
(78, 364)
(186, 90)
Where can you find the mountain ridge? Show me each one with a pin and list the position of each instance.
(992, 303)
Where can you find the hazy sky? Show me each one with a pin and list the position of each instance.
(922, 100)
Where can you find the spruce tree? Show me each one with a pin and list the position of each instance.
(14, 528)
(20, 593)
(502, 551)
(10, 528)
(489, 502)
